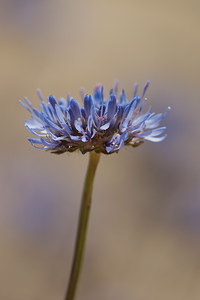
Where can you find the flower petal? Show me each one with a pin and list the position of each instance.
(155, 139)
(111, 107)
(75, 109)
(88, 103)
(52, 101)
(62, 119)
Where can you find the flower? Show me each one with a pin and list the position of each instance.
(100, 125)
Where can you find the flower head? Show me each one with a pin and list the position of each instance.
(100, 125)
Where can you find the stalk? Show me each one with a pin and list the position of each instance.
(82, 225)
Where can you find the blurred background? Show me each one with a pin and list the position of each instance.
(144, 232)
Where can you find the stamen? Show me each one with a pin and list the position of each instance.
(101, 118)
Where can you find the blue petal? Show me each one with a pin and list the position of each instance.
(120, 111)
(28, 102)
(128, 114)
(98, 94)
(75, 108)
(115, 139)
(83, 113)
(116, 85)
(143, 103)
(155, 139)
(25, 106)
(121, 144)
(145, 88)
(37, 142)
(33, 124)
(40, 95)
(135, 90)
(62, 104)
(88, 103)
(51, 114)
(111, 92)
(52, 101)
(137, 122)
(34, 132)
(76, 137)
(84, 138)
(90, 124)
(70, 115)
(61, 119)
(127, 108)
(36, 112)
(82, 93)
(56, 138)
(105, 126)
(153, 132)
(154, 121)
(116, 143)
(102, 89)
(78, 126)
(49, 144)
(124, 136)
(111, 107)
(168, 109)
(123, 97)
(68, 99)
(158, 131)
(93, 134)
(109, 149)
(51, 124)
(60, 115)
(44, 108)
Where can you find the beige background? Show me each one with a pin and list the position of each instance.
(144, 232)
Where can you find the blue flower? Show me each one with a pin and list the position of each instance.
(100, 125)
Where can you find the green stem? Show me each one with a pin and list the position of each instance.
(82, 226)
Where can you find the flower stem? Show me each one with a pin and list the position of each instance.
(82, 226)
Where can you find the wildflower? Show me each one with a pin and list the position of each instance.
(101, 125)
